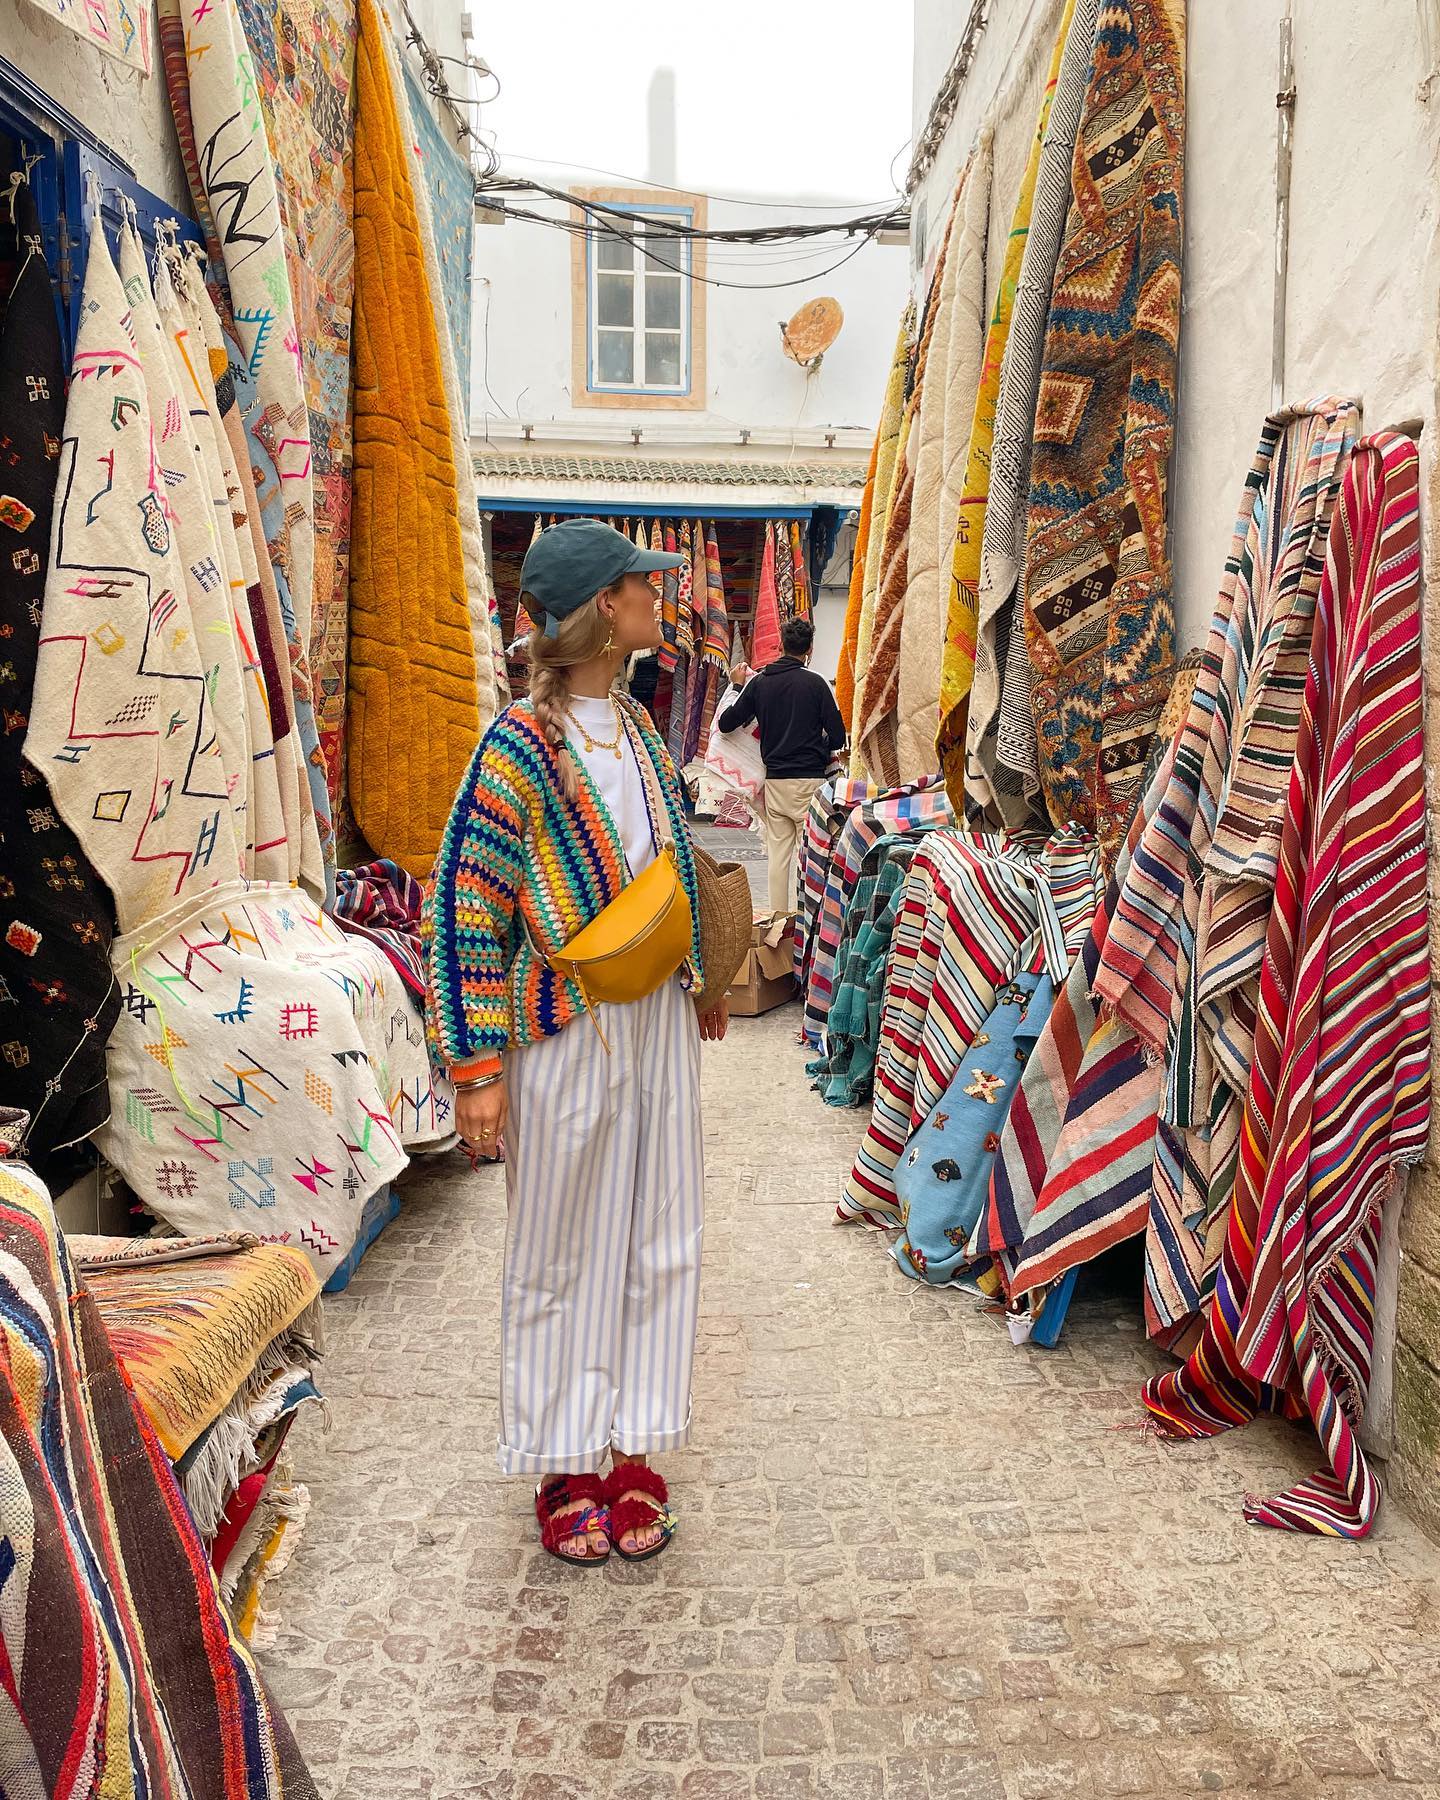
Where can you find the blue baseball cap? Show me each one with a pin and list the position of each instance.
(571, 562)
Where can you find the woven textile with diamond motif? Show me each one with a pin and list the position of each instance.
(993, 789)
(1099, 616)
(57, 999)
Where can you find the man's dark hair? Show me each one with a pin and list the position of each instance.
(797, 636)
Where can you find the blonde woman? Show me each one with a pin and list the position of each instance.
(604, 1177)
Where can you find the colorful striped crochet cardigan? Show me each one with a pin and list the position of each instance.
(521, 869)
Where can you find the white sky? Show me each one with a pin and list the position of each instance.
(782, 97)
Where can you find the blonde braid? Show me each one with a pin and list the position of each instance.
(582, 635)
(550, 695)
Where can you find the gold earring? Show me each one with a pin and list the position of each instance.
(609, 642)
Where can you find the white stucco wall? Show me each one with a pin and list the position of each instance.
(125, 109)
(521, 367)
(1364, 269)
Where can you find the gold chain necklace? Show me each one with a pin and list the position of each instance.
(593, 743)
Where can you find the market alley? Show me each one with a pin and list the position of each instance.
(913, 1560)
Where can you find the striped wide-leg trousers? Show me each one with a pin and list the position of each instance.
(605, 1183)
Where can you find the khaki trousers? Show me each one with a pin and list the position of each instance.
(784, 805)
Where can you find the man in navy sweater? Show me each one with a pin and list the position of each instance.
(801, 732)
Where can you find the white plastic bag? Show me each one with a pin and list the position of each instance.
(734, 756)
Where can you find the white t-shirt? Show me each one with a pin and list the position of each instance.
(621, 785)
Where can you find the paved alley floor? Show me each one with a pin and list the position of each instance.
(914, 1561)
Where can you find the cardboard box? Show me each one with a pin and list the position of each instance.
(766, 978)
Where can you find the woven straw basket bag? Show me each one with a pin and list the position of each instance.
(726, 915)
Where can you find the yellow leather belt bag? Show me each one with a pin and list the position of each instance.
(636, 943)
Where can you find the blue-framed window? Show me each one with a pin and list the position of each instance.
(638, 312)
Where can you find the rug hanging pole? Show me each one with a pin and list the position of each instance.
(1284, 147)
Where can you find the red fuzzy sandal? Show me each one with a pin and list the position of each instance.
(557, 1526)
(638, 1515)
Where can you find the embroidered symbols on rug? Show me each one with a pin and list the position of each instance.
(135, 710)
(62, 872)
(240, 1011)
(259, 1192)
(164, 1051)
(985, 1086)
(142, 1107)
(154, 526)
(292, 1096)
(947, 1169)
(319, 1241)
(22, 937)
(138, 1003)
(15, 513)
(110, 807)
(1060, 409)
(298, 1019)
(175, 1179)
(314, 1174)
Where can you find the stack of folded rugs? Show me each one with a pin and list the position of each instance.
(220, 1337)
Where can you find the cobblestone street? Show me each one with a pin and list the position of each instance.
(913, 1560)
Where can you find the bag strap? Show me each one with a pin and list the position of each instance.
(649, 775)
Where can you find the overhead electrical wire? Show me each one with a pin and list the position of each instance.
(947, 95)
(480, 68)
(603, 215)
(439, 89)
(894, 217)
(661, 187)
(576, 229)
